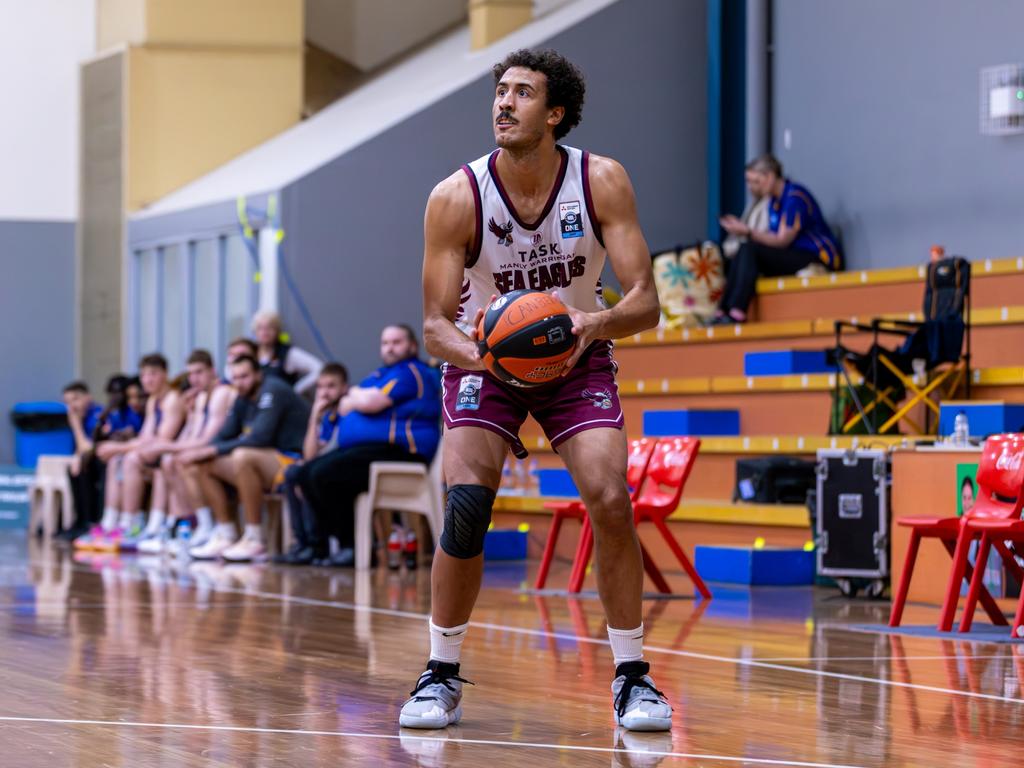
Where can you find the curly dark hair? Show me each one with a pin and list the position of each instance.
(565, 86)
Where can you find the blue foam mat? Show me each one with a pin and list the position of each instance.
(980, 632)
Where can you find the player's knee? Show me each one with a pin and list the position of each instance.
(609, 506)
(467, 515)
(245, 457)
(131, 461)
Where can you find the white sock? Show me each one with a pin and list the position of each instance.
(225, 531)
(446, 642)
(253, 532)
(204, 519)
(627, 644)
(155, 522)
(109, 520)
(124, 520)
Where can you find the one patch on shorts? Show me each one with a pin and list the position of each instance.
(469, 393)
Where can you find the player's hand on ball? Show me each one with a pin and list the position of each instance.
(584, 328)
(475, 361)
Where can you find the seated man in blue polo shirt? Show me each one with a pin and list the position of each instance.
(393, 415)
(797, 237)
(84, 416)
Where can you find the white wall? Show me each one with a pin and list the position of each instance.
(41, 45)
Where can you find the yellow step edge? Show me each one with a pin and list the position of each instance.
(822, 326)
(980, 316)
(691, 511)
(697, 385)
(802, 382)
(702, 385)
(998, 376)
(758, 444)
(718, 333)
(773, 285)
(981, 268)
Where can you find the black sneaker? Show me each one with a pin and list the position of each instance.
(297, 555)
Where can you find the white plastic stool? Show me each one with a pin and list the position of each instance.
(51, 481)
(399, 486)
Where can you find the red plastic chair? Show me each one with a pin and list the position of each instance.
(659, 496)
(995, 519)
(636, 466)
(640, 453)
(956, 536)
(656, 497)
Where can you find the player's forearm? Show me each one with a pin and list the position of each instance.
(637, 311)
(445, 341)
(311, 443)
(773, 239)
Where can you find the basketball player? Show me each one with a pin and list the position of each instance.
(534, 214)
(165, 415)
(210, 401)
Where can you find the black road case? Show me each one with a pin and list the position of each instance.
(853, 518)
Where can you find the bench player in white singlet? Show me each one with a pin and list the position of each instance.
(535, 214)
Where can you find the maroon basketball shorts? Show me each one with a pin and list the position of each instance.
(586, 398)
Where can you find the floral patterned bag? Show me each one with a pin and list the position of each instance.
(690, 283)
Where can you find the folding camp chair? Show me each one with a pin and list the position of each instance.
(942, 341)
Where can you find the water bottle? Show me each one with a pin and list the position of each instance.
(522, 480)
(184, 539)
(961, 430)
(534, 478)
(507, 480)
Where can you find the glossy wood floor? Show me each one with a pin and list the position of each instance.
(112, 661)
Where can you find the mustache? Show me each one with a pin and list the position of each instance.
(505, 115)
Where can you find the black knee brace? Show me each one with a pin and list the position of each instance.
(466, 518)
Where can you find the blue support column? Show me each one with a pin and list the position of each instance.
(714, 100)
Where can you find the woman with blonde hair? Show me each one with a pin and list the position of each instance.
(280, 358)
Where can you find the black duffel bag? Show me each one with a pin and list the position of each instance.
(773, 480)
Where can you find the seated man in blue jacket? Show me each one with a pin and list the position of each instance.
(393, 415)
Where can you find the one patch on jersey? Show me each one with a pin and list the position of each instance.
(469, 393)
(266, 400)
(571, 217)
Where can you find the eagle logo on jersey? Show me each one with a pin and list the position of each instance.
(502, 231)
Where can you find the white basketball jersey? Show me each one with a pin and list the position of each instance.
(561, 251)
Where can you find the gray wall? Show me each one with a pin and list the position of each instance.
(37, 308)
(354, 228)
(881, 99)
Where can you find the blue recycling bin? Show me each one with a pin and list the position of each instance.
(40, 428)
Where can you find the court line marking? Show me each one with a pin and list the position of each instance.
(403, 736)
(964, 657)
(590, 640)
(143, 606)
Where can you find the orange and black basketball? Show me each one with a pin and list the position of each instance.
(525, 337)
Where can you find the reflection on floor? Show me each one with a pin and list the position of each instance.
(128, 661)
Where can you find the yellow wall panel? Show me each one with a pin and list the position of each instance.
(120, 22)
(491, 20)
(189, 111)
(225, 22)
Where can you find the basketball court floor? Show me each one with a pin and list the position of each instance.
(108, 661)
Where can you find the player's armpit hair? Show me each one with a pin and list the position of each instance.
(467, 515)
